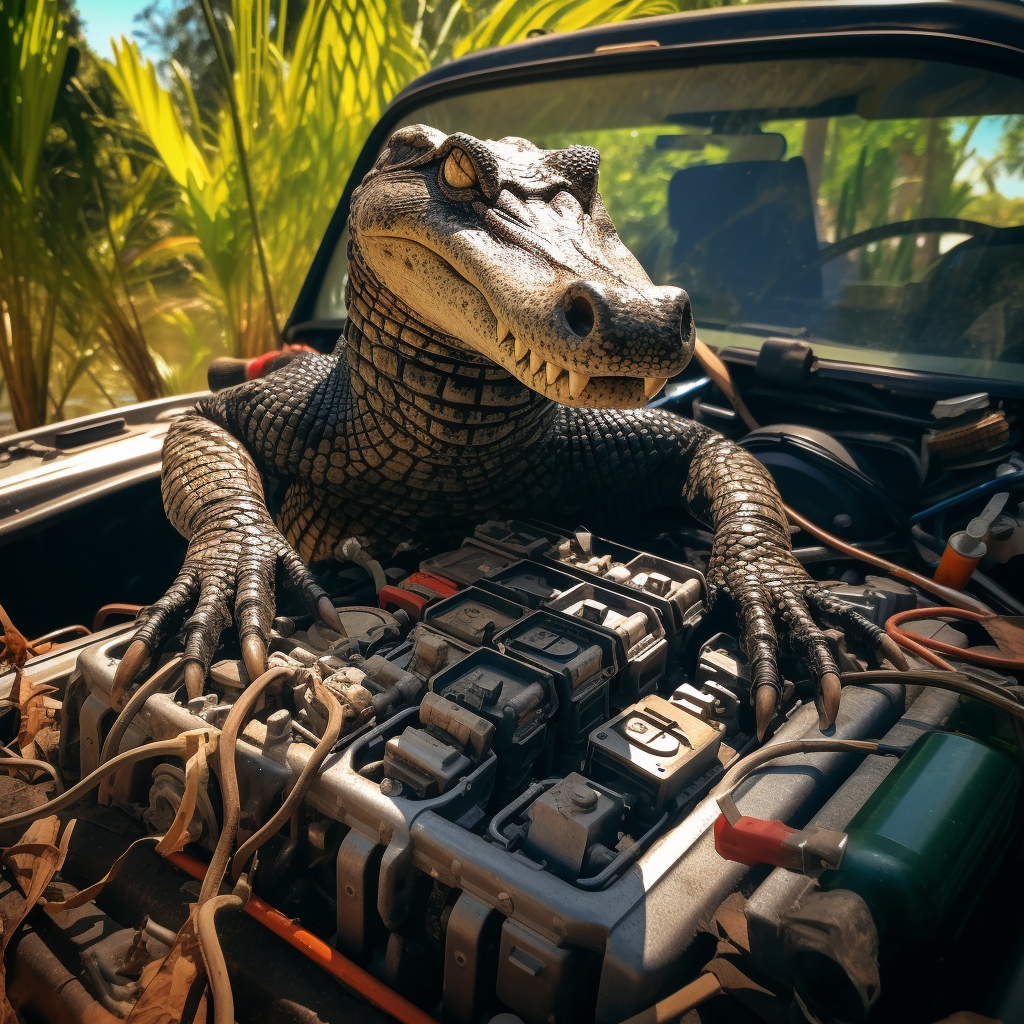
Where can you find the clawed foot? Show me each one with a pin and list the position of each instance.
(230, 566)
(776, 598)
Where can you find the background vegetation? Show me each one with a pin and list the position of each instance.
(129, 250)
(144, 229)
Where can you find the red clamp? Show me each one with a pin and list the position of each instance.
(415, 593)
(756, 841)
(261, 365)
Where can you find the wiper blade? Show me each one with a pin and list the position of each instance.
(307, 327)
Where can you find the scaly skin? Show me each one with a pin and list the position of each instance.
(491, 304)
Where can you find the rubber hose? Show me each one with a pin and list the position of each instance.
(233, 724)
(213, 956)
(335, 721)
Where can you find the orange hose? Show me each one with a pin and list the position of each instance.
(719, 373)
(917, 643)
(323, 955)
(948, 594)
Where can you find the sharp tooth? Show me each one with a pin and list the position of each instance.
(521, 351)
(554, 371)
(577, 382)
(502, 330)
(535, 362)
(652, 385)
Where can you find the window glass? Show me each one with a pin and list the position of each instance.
(872, 206)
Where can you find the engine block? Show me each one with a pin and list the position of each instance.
(516, 817)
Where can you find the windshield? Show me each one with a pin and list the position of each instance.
(871, 206)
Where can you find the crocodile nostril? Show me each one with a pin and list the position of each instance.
(579, 315)
(686, 323)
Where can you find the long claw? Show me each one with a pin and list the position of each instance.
(195, 679)
(254, 654)
(135, 659)
(892, 652)
(766, 701)
(329, 615)
(830, 689)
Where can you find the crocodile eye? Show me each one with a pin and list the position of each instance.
(458, 170)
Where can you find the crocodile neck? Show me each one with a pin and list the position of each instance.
(435, 399)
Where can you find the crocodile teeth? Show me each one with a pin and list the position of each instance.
(503, 331)
(577, 382)
(652, 385)
(554, 371)
(535, 362)
(521, 351)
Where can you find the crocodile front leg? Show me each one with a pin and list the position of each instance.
(648, 457)
(214, 497)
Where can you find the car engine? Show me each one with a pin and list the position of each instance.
(522, 813)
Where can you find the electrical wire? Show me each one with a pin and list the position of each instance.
(335, 721)
(229, 732)
(713, 366)
(921, 644)
(53, 635)
(26, 764)
(162, 748)
(209, 941)
(155, 683)
(947, 594)
(1000, 483)
(213, 956)
(742, 768)
(955, 682)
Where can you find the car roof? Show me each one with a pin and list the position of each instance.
(992, 20)
(990, 30)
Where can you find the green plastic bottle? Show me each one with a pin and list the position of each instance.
(928, 839)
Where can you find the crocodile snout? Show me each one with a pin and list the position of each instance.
(646, 331)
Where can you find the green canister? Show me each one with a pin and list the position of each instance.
(927, 840)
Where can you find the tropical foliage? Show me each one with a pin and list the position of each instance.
(112, 198)
(75, 225)
(153, 214)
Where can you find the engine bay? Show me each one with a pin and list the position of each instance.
(527, 781)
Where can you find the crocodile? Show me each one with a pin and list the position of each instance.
(500, 346)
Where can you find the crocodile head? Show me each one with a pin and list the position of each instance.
(507, 250)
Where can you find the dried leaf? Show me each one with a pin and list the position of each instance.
(34, 861)
(138, 956)
(15, 650)
(196, 775)
(166, 983)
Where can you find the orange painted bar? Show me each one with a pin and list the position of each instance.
(315, 949)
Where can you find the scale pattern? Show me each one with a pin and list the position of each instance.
(399, 437)
(406, 436)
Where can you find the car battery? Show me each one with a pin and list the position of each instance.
(465, 565)
(515, 538)
(571, 824)
(582, 661)
(516, 698)
(636, 628)
(450, 741)
(528, 582)
(653, 748)
(415, 593)
(425, 652)
(677, 592)
(473, 616)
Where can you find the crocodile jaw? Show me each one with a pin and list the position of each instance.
(570, 387)
(445, 299)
